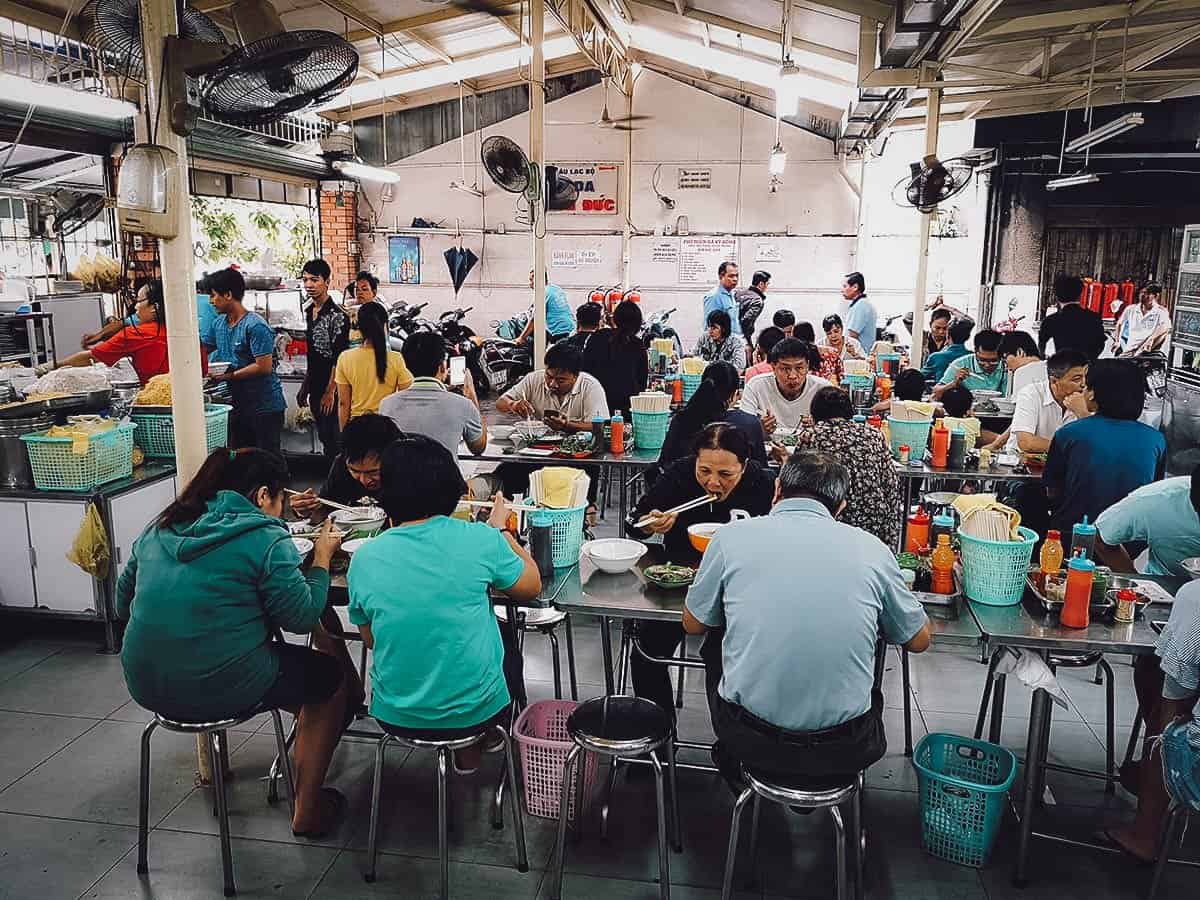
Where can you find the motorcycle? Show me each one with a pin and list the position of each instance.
(404, 320)
(460, 340)
(502, 361)
(1009, 325)
(656, 328)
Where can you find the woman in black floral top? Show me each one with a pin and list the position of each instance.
(873, 502)
(719, 344)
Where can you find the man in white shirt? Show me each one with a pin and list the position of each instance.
(1142, 325)
(782, 397)
(563, 395)
(1045, 406)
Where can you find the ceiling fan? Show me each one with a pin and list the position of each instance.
(616, 123)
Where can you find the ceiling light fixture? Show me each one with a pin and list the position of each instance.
(788, 90)
(51, 96)
(1105, 132)
(777, 161)
(364, 172)
(1066, 181)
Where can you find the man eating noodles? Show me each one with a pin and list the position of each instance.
(784, 396)
(355, 471)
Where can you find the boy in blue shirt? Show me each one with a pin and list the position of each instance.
(960, 332)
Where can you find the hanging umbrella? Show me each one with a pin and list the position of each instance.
(460, 261)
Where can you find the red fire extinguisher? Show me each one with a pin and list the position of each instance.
(615, 294)
(633, 295)
(1128, 294)
(1111, 292)
(1093, 293)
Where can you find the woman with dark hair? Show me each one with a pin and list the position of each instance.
(836, 338)
(1098, 461)
(718, 344)
(720, 466)
(617, 357)
(710, 404)
(437, 671)
(144, 343)
(208, 584)
(828, 361)
(873, 500)
(368, 374)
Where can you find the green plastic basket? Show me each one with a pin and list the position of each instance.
(994, 572)
(859, 381)
(56, 466)
(913, 434)
(566, 532)
(964, 787)
(690, 383)
(156, 434)
(650, 429)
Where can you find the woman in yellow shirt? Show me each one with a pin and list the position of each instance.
(367, 374)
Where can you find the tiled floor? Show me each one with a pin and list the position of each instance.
(68, 803)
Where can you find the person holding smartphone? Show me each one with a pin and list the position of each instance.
(449, 415)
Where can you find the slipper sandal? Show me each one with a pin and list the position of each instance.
(1104, 838)
(339, 804)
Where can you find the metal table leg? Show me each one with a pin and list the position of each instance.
(908, 747)
(606, 648)
(1039, 715)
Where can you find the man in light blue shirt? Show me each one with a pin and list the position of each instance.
(1164, 514)
(722, 296)
(859, 316)
(798, 656)
(560, 322)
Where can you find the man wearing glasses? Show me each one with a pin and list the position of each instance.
(978, 371)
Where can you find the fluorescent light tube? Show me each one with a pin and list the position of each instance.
(51, 96)
(777, 161)
(366, 173)
(1072, 180)
(788, 90)
(1105, 132)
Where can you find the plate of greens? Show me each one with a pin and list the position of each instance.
(669, 575)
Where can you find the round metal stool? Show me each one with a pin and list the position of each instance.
(214, 734)
(760, 788)
(444, 748)
(621, 727)
(546, 621)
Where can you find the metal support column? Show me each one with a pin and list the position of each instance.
(933, 113)
(537, 156)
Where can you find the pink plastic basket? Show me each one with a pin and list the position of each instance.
(541, 733)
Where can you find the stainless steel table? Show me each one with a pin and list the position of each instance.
(1026, 626)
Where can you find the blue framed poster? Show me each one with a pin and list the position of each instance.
(404, 259)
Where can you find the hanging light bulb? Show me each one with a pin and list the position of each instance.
(788, 90)
(777, 161)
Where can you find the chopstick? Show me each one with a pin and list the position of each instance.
(488, 504)
(683, 507)
(324, 501)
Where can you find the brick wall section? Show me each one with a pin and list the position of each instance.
(338, 228)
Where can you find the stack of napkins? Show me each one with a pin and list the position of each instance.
(559, 487)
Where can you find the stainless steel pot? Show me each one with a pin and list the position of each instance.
(14, 458)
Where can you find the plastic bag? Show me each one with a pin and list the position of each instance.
(90, 549)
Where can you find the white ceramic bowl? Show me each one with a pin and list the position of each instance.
(500, 432)
(218, 368)
(349, 547)
(300, 526)
(531, 430)
(614, 555)
(303, 546)
(1191, 565)
(367, 519)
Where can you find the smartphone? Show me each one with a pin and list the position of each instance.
(458, 371)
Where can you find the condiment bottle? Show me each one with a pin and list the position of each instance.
(1083, 539)
(1051, 559)
(1079, 592)
(940, 446)
(1126, 605)
(943, 566)
(905, 454)
(883, 385)
(677, 390)
(860, 419)
(958, 449)
(917, 537)
(618, 432)
(943, 523)
(875, 421)
(597, 433)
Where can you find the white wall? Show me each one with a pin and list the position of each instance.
(812, 218)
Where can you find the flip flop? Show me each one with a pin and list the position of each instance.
(1104, 836)
(338, 801)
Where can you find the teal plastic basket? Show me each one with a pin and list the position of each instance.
(859, 381)
(156, 431)
(690, 383)
(913, 434)
(650, 429)
(994, 572)
(566, 532)
(57, 467)
(963, 784)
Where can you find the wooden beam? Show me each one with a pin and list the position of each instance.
(680, 8)
(869, 9)
(1101, 12)
(428, 45)
(429, 18)
(38, 17)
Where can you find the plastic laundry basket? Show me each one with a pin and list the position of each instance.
(964, 788)
(541, 734)
(994, 571)
(566, 532)
(913, 434)
(56, 466)
(156, 431)
(690, 383)
(650, 429)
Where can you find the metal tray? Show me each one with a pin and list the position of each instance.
(953, 601)
(1101, 608)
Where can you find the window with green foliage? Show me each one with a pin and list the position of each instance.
(257, 236)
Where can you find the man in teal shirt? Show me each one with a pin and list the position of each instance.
(978, 371)
(1165, 515)
(960, 332)
(559, 320)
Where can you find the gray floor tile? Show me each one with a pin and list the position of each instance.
(585, 887)
(250, 816)
(417, 878)
(20, 655)
(96, 779)
(952, 681)
(895, 771)
(52, 858)
(1088, 698)
(75, 682)
(188, 867)
(27, 739)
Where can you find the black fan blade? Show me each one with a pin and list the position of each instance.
(506, 164)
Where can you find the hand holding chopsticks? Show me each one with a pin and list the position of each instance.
(322, 500)
(658, 517)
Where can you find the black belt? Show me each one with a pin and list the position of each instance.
(836, 733)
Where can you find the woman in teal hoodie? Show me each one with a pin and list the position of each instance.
(207, 586)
